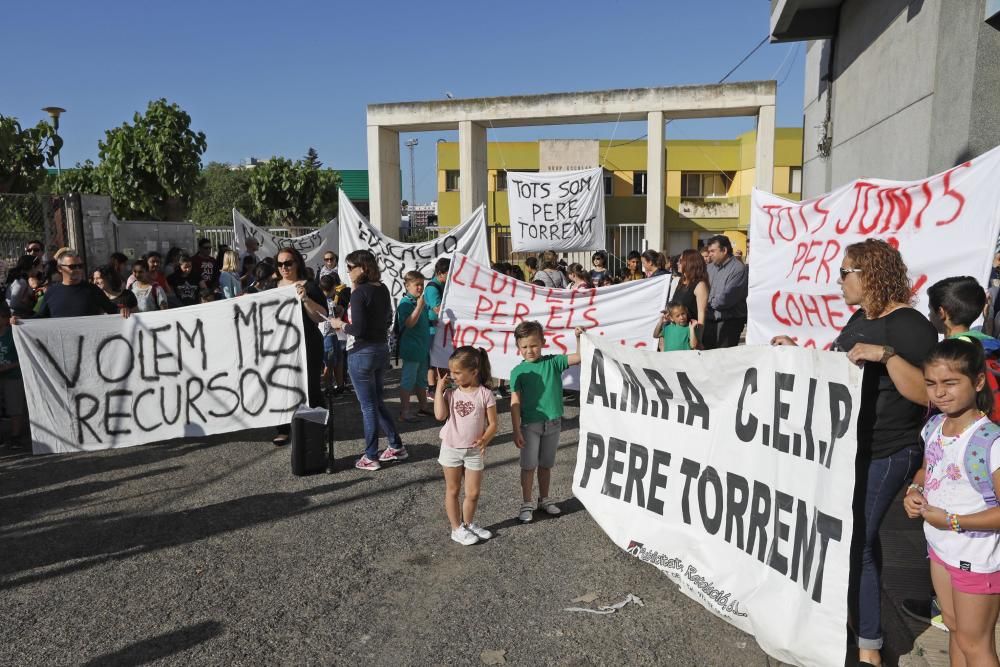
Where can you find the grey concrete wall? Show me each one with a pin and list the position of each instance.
(916, 89)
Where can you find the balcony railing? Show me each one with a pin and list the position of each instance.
(709, 207)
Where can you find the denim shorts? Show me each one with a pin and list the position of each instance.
(466, 457)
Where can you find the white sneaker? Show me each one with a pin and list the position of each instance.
(478, 531)
(549, 506)
(464, 536)
(526, 512)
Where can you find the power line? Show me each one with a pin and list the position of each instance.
(722, 80)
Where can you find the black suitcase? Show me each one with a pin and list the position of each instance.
(309, 447)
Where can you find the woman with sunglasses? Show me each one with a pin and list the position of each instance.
(368, 358)
(890, 339)
(329, 264)
(292, 271)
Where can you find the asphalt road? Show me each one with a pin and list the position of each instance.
(212, 552)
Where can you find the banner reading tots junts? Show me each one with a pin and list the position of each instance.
(313, 245)
(105, 382)
(481, 307)
(732, 471)
(556, 210)
(396, 259)
(945, 225)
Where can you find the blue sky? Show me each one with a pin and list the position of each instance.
(270, 78)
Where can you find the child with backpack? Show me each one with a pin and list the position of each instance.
(956, 303)
(412, 329)
(955, 495)
(469, 411)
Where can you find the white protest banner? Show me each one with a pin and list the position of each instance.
(105, 382)
(732, 471)
(945, 225)
(396, 258)
(312, 245)
(556, 210)
(482, 307)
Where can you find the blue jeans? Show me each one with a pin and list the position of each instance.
(886, 477)
(367, 369)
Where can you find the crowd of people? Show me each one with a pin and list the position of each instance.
(925, 404)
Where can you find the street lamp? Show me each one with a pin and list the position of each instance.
(53, 113)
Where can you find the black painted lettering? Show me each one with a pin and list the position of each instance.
(598, 385)
(638, 459)
(215, 386)
(83, 419)
(760, 510)
(594, 455)
(736, 508)
(746, 428)
(615, 467)
(782, 382)
(111, 413)
(690, 470)
(782, 503)
(657, 480)
(712, 519)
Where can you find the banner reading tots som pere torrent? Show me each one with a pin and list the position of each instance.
(105, 382)
(556, 210)
(732, 472)
(945, 225)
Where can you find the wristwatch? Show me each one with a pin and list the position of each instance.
(888, 352)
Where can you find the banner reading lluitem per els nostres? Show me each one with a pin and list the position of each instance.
(732, 471)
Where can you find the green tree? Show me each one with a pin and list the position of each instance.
(83, 178)
(221, 189)
(293, 193)
(24, 154)
(151, 169)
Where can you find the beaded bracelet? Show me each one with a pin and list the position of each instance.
(953, 522)
(914, 486)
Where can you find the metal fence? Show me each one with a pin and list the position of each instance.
(24, 218)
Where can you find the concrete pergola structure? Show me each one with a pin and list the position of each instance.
(473, 116)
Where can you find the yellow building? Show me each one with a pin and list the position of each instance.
(708, 185)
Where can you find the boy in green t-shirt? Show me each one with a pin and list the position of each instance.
(536, 409)
(413, 332)
(676, 330)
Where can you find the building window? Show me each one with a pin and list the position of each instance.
(711, 184)
(501, 180)
(609, 184)
(639, 183)
(451, 180)
(795, 180)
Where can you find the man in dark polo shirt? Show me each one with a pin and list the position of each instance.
(75, 297)
(727, 297)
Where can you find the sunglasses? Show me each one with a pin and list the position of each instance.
(34, 249)
(846, 272)
(286, 265)
(328, 259)
(72, 267)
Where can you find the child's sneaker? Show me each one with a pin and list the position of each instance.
(390, 454)
(478, 531)
(464, 536)
(549, 506)
(365, 463)
(526, 512)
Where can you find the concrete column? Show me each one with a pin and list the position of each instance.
(384, 180)
(472, 170)
(764, 162)
(656, 174)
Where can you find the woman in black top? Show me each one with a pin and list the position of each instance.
(368, 356)
(692, 288)
(111, 284)
(292, 269)
(890, 339)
